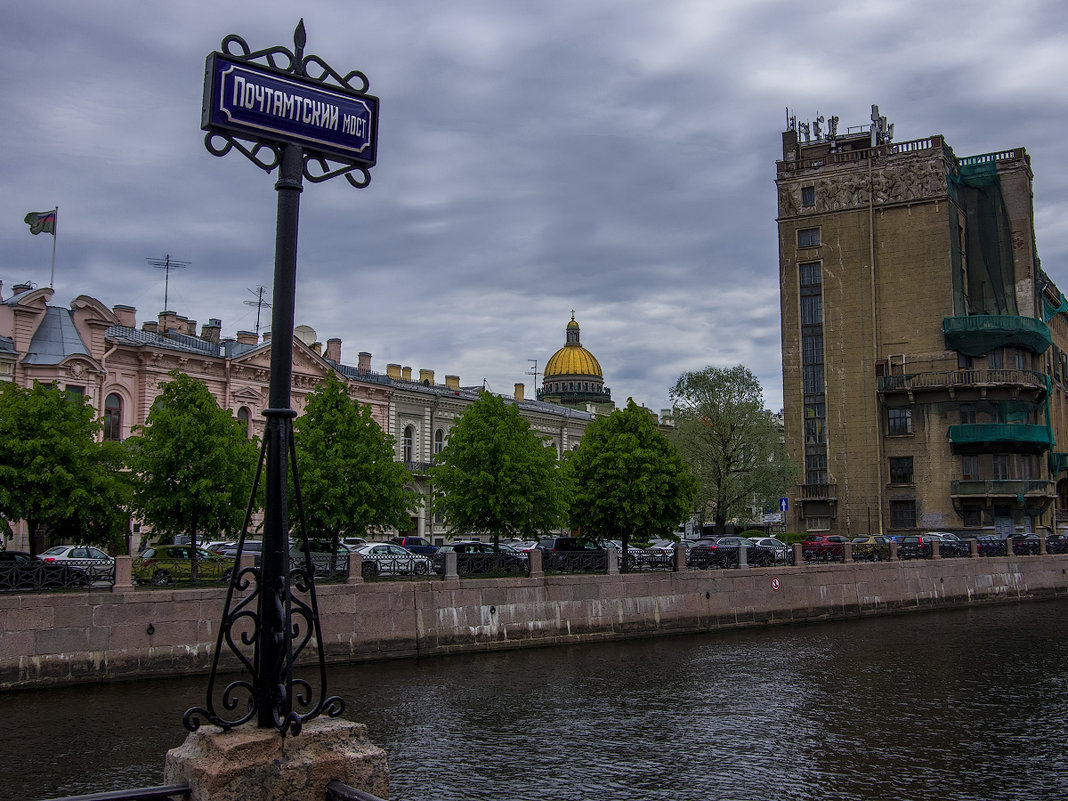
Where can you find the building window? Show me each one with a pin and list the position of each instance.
(243, 415)
(813, 379)
(811, 309)
(901, 470)
(818, 524)
(973, 516)
(898, 421)
(964, 361)
(808, 237)
(995, 360)
(810, 273)
(439, 441)
(814, 433)
(808, 196)
(969, 468)
(409, 435)
(967, 413)
(903, 514)
(1000, 467)
(816, 468)
(113, 418)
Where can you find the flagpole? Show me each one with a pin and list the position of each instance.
(55, 228)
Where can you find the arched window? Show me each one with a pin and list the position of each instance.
(243, 418)
(113, 418)
(408, 436)
(439, 441)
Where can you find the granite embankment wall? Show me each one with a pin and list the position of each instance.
(77, 637)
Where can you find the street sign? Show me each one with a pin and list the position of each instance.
(775, 584)
(253, 100)
(784, 504)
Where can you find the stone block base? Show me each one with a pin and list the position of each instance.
(252, 763)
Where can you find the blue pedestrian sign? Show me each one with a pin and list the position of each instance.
(784, 504)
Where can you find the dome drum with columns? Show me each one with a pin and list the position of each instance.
(573, 377)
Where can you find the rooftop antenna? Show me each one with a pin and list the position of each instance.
(167, 264)
(534, 372)
(260, 304)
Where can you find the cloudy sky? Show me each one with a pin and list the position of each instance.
(615, 157)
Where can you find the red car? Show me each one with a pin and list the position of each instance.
(823, 547)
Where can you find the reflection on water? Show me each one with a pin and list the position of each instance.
(953, 705)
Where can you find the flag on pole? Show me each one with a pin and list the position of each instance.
(41, 221)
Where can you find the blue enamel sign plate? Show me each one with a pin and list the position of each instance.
(246, 99)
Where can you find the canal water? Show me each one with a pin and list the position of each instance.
(949, 706)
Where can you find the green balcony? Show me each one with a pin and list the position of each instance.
(1018, 489)
(978, 334)
(974, 438)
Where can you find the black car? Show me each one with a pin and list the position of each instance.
(1057, 543)
(474, 557)
(1024, 544)
(990, 545)
(571, 555)
(20, 571)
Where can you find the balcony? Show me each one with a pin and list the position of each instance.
(418, 468)
(1014, 489)
(975, 438)
(978, 334)
(817, 492)
(950, 381)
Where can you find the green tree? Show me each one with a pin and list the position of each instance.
(730, 441)
(53, 473)
(349, 480)
(630, 481)
(194, 464)
(496, 477)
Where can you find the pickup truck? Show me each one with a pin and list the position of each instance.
(419, 545)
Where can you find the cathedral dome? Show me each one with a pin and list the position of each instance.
(572, 359)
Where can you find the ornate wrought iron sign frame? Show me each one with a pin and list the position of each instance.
(271, 615)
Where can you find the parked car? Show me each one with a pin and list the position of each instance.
(724, 552)
(324, 561)
(777, 546)
(870, 548)
(1057, 543)
(823, 547)
(20, 571)
(949, 544)
(164, 564)
(474, 557)
(415, 544)
(95, 562)
(1024, 544)
(388, 559)
(990, 545)
(569, 554)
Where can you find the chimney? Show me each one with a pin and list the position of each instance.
(406, 373)
(209, 332)
(364, 365)
(20, 288)
(519, 392)
(265, 336)
(317, 347)
(190, 326)
(127, 315)
(452, 381)
(168, 321)
(247, 337)
(333, 349)
(393, 371)
(426, 377)
(151, 328)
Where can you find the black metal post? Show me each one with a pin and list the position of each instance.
(270, 682)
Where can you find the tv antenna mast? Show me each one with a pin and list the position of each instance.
(259, 303)
(534, 372)
(167, 264)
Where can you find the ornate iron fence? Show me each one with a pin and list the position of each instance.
(585, 561)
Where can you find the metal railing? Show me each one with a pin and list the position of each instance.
(956, 379)
(168, 792)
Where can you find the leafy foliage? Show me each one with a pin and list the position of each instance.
(194, 463)
(630, 482)
(53, 473)
(348, 478)
(496, 477)
(730, 442)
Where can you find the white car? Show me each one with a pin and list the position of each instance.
(95, 562)
(385, 558)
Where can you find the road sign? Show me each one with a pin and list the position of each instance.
(784, 504)
(775, 584)
(252, 100)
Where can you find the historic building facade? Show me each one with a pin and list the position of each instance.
(924, 370)
(100, 352)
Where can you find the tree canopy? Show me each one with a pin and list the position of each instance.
(348, 477)
(630, 481)
(496, 477)
(53, 472)
(194, 462)
(730, 442)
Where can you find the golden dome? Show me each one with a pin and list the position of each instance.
(572, 358)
